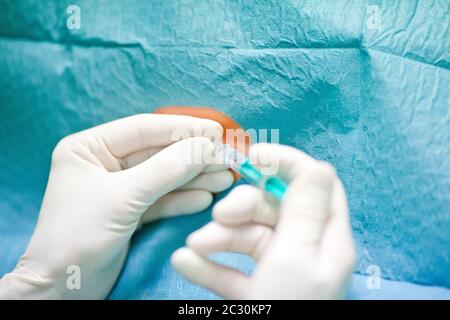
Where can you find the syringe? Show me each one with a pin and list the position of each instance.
(241, 164)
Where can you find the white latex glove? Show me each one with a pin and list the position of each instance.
(103, 183)
(303, 247)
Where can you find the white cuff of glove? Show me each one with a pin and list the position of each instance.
(25, 284)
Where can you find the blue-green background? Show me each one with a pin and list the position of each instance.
(374, 102)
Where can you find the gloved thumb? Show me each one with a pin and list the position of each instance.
(305, 209)
(169, 169)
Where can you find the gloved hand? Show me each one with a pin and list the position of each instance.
(104, 182)
(302, 247)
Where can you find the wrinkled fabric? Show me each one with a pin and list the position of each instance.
(362, 84)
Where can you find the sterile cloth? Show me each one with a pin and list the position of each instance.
(362, 84)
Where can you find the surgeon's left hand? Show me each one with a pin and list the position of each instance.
(104, 182)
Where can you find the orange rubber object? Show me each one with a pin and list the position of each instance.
(234, 135)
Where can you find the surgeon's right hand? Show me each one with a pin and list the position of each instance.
(302, 247)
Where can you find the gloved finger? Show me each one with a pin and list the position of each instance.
(250, 239)
(246, 204)
(305, 210)
(337, 252)
(142, 131)
(178, 203)
(215, 167)
(167, 170)
(281, 160)
(213, 182)
(138, 157)
(226, 282)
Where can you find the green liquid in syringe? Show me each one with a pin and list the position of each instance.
(273, 185)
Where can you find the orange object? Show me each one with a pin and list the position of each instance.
(233, 135)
